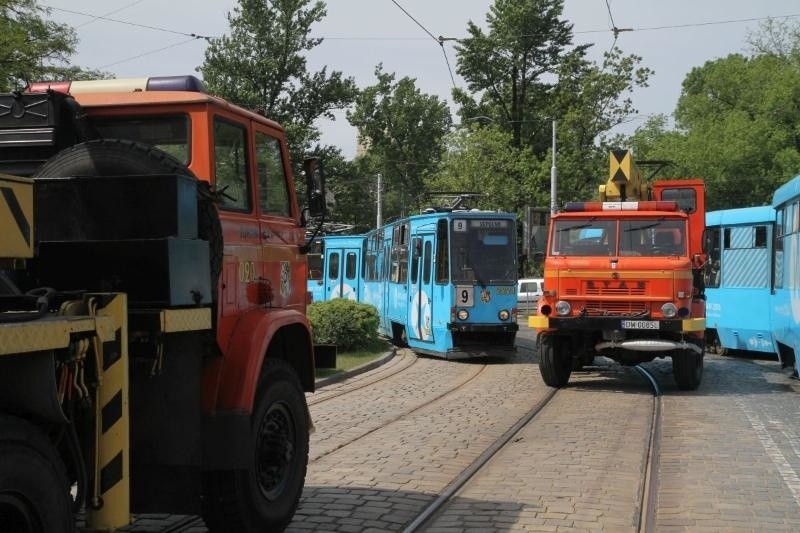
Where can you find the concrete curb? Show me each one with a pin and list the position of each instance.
(366, 367)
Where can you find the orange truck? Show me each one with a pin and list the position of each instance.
(154, 348)
(623, 278)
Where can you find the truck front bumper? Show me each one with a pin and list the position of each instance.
(685, 325)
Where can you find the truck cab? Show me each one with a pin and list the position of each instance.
(623, 279)
(185, 204)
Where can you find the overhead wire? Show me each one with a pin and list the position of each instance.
(94, 18)
(143, 54)
(128, 23)
(440, 41)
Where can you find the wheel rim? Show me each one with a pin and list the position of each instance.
(16, 514)
(275, 451)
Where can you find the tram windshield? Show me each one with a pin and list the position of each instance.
(634, 237)
(483, 251)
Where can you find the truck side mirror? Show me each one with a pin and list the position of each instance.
(315, 186)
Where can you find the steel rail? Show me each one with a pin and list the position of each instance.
(649, 501)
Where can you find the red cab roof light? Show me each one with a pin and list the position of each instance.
(574, 207)
(123, 85)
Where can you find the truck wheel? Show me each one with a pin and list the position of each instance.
(555, 364)
(119, 157)
(687, 368)
(264, 496)
(34, 492)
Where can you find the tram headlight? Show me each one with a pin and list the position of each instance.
(503, 314)
(563, 308)
(669, 310)
(462, 314)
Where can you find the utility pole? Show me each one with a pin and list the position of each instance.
(379, 221)
(553, 176)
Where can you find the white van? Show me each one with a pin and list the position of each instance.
(528, 292)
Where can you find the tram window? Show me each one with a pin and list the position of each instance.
(314, 266)
(416, 242)
(761, 237)
(726, 239)
(442, 257)
(333, 266)
(350, 265)
(426, 263)
(399, 264)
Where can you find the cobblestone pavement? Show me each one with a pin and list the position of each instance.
(388, 477)
(730, 452)
(577, 466)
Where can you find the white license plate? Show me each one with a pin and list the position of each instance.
(640, 324)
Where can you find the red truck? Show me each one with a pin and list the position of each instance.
(154, 348)
(623, 278)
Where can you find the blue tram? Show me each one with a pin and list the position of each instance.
(444, 282)
(739, 279)
(785, 310)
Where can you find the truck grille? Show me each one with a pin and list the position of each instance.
(615, 308)
(614, 288)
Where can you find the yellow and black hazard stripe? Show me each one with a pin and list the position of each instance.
(110, 503)
(16, 217)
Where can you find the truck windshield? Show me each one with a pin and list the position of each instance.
(584, 237)
(483, 251)
(637, 237)
(653, 237)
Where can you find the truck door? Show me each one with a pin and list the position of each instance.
(421, 304)
(282, 280)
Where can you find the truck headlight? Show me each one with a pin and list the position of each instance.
(563, 308)
(669, 310)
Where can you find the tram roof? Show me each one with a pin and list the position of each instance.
(741, 215)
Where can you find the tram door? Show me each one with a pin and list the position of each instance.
(421, 284)
(341, 279)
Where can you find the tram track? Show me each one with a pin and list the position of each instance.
(358, 384)
(649, 502)
(649, 491)
(402, 415)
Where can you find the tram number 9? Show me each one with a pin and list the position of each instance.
(465, 296)
(247, 272)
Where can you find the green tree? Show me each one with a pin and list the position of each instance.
(34, 48)
(403, 130)
(736, 122)
(525, 72)
(507, 66)
(478, 159)
(261, 65)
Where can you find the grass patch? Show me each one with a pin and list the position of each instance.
(349, 360)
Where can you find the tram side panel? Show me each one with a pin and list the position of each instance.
(738, 287)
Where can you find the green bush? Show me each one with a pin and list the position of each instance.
(347, 324)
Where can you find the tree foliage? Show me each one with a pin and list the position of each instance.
(507, 66)
(403, 130)
(524, 73)
(737, 122)
(34, 48)
(261, 65)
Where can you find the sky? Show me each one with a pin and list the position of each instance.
(154, 38)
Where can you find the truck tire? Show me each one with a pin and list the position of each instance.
(34, 492)
(119, 157)
(687, 368)
(555, 364)
(264, 496)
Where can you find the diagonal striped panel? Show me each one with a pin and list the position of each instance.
(745, 267)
